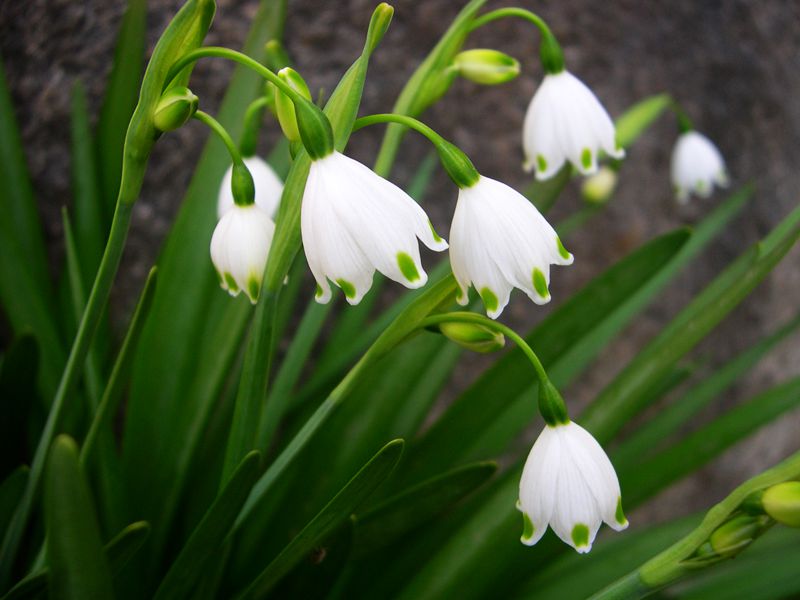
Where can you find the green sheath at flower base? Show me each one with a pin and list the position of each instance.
(176, 107)
(485, 66)
(284, 107)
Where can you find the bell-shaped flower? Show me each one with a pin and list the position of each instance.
(569, 484)
(354, 222)
(499, 241)
(268, 187)
(696, 166)
(566, 122)
(239, 249)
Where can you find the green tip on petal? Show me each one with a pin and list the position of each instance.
(348, 288)
(541, 162)
(318, 291)
(489, 299)
(527, 528)
(619, 515)
(407, 266)
(253, 289)
(580, 535)
(436, 236)
(586, 158)
(539, 283)
(562, 252)
(231, 283)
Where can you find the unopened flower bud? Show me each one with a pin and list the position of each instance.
(782, 503)
(731, 537)
(487, 67)
(284, 107)
(471, 336)
(598, 188)
(175, 108)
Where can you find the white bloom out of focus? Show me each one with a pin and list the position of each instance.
(498, 242)
(354, 222)
(268, 187)
(239, 249)
(569, 484)
(566, 122)
(697, 166)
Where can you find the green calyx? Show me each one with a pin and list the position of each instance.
(550, 54)
(551, 404)
(177, 105)
(242, 186)
(457, 164)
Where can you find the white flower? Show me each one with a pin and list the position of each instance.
(565, 121)
(569, 484)
(268, 186)
(354, 222)
(696, 166)
(499, 241)
(239, 249)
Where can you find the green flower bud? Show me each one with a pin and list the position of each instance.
(175, 108)
(473, 337)
(378, 24)
(487, 67)
(732, 537)
(782, 503)
(284, 107)
(598, 188)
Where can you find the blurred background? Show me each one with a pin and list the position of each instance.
(734, 65)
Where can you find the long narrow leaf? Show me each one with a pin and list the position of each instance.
(337, 510)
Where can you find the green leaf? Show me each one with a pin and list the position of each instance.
(118, 551)
(122, 92)
(17, 202)
(643, 480)
(335, 512)
(10, 494)
(17, 403)
(90, 227)
(612, 557)
(78, 566)
(381, 525)
(194, 327)
(211, 532)
(622, 398)
(639, 117)
(649, 436)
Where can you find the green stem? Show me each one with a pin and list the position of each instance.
(91, 316)
(242, 186)
(684, 122)
(252, 123)
(551, 404)
(550, 50)
(458, 166)
(315, 129)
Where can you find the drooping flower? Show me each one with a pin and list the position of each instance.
(354, 222)
(267, 184)
(697, 166)
(499, 241)
(239, 249)
(569, 484)
(566, 122)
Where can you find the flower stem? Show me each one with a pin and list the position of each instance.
(252, 122)
(550, 50)
(69, 378)
(457, 164)
(315, 129)
(551, 404)
(684, 122)
(242, 186)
